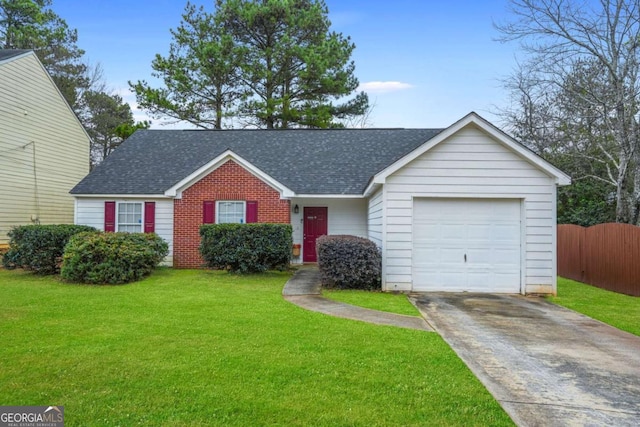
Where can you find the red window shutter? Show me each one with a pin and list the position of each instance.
(208, 212)
(149, 217)
(252, 212)
(110, 216)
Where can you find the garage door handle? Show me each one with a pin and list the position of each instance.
(465, 257)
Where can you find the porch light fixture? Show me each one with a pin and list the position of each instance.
(296, 209)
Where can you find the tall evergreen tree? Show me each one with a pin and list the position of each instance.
(199, 74)
(108, 121)
(32, 24)
(266, 63)
(294, 65)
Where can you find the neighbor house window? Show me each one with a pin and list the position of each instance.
(231, 212)
(130, 217)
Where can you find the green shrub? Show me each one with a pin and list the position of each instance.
(349, 262)
(112, 258)
(39, 248)
(246, 248)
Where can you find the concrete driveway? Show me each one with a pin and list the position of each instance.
(546, 365)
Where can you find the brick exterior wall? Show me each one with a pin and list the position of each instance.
(228, 182)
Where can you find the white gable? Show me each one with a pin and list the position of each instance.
(498, 137)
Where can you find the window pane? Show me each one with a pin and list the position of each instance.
(230, 212)
(130, 217)
(129, 228)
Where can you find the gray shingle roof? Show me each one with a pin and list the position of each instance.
(340, 161)
(10, 53)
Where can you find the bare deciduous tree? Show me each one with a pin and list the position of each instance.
(578, 92)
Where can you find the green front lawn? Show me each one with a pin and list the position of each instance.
(621, 311)
(188, 347)
(383, 301)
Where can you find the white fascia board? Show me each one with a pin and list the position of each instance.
(329, 196)
(177, 189)
(504, 139)
(120, 196)
(371, 188)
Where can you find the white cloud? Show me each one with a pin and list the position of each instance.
(124, 92)
(383, 87)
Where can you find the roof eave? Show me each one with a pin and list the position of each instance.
(16, 57)
(120, 196)
(328, 196)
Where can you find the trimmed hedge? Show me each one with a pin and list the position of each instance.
(246, 248)
(349, 262)
(112, 258)
(39, 248)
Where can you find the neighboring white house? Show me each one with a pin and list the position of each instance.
(44, 150)
(464, 208)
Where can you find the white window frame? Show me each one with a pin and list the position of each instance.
(244, 211)
(141, 224)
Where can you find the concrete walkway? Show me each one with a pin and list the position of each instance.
(546, 365)
(303, 289)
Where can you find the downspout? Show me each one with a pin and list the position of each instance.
(35, 220)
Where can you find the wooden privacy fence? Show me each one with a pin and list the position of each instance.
(603, 255)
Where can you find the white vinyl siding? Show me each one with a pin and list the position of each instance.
(44, 151)
(470, 164)
(344, 216)
(90, 211)
(374, 219)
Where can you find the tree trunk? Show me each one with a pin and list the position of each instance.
(219, 106)
(269, 85)
(621, 208)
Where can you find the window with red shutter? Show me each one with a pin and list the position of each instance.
(252, 212)
(208, 212)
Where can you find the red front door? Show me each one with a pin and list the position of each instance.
(315, 225)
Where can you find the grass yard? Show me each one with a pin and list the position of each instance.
(196, 348)
(383, 301)
(621, 311)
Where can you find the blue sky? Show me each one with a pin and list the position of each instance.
(424, 63)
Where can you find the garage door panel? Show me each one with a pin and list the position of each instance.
(507, 233)
(451, 232)
(451, 255)
(427, 232)
(486, 231)
(479, 231)
(479, 279)
(477, 256)
(454, 278)
(425, 255)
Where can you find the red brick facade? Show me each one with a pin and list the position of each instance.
(229, 182)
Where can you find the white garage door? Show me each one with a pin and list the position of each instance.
(466, 245)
